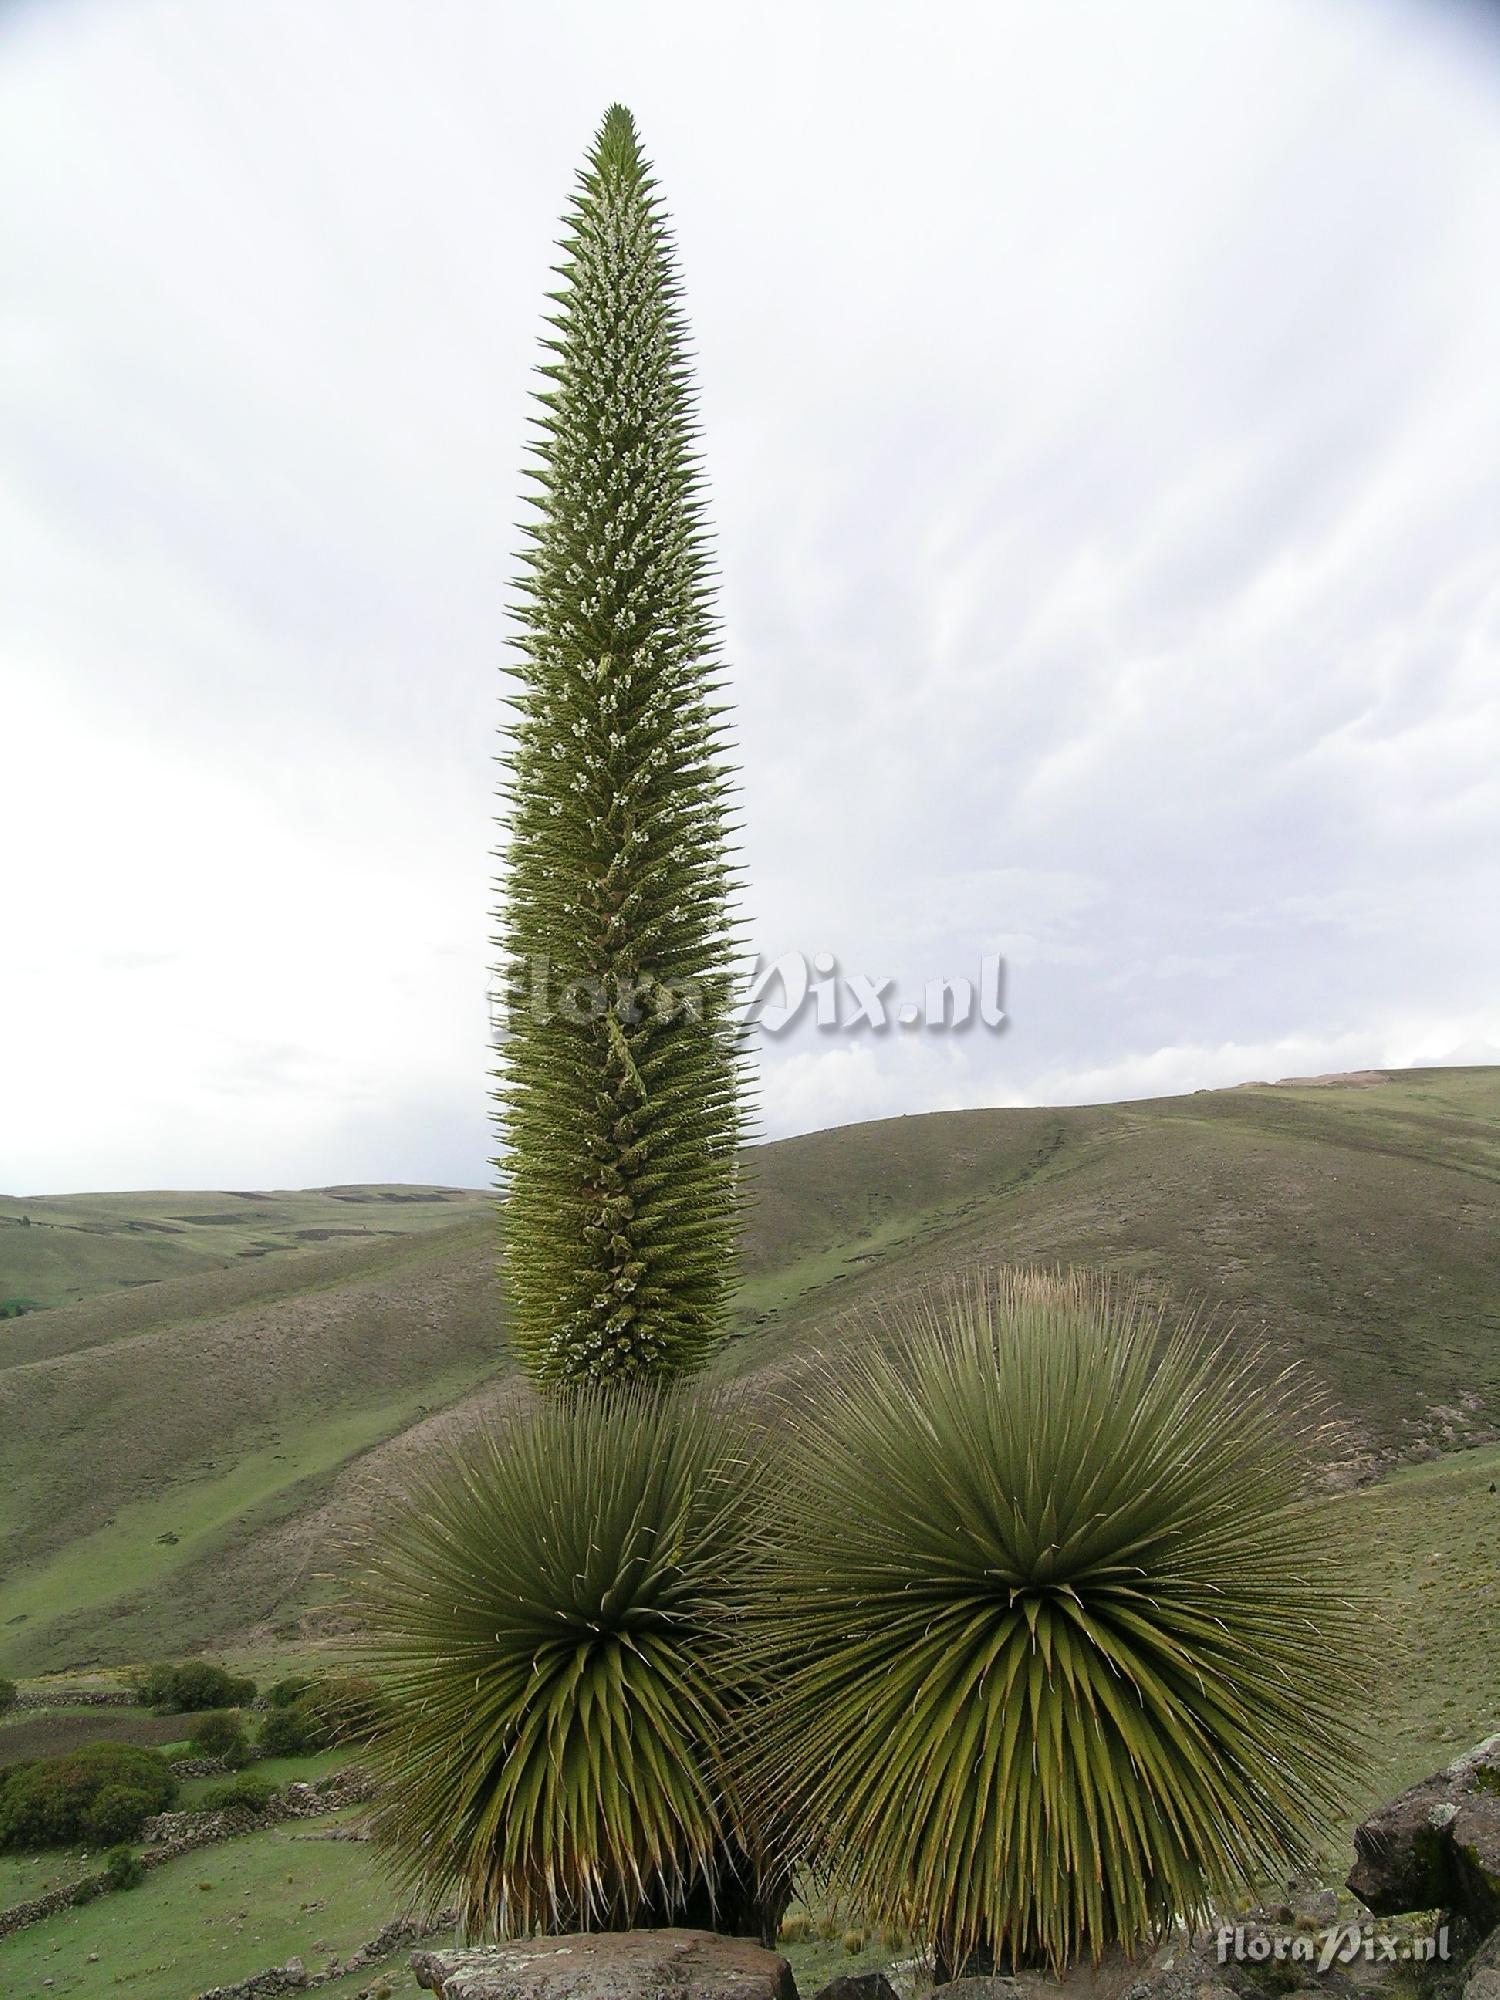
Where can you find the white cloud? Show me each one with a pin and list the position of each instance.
(1102, 424)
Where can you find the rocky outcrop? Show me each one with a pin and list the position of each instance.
(605, 1965)
(1437, 1846)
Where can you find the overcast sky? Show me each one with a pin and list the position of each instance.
(1103, 419)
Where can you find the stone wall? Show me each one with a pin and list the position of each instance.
(200, 1829)
(293, 1977)
(76, 1698)
(19, 1915)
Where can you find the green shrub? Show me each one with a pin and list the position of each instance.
(246, 1795)
(557, 1687)
(347, 1705)
(47, 1803)
(117, 1813)
(124, 1869)
(296, 1731)
(194, 1685)
(282, 1693)
(308, 1715)
(7, 1694)
(221, 1735)
(1060, 1648)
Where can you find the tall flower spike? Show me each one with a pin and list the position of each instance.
(621, 1098)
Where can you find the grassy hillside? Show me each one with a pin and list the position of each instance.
(178, 1462)
(55, 1249)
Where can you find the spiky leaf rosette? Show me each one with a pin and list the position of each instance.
(1059, 1646)
(621, 1098)
(546, 1611)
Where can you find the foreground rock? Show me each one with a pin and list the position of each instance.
(610, 1965)
(1438, 1845)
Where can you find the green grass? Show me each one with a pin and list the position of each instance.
(26, 1876)
(255, 1411)
(129, 1555)
(173, 1936)
(1433, 1533)
(816, 1960)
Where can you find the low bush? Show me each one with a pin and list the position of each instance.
(348, 1705)
(307, 1715)
(49, 1803)
(195, 1684)
(221, 1735)
(117, 1813)
(295, 1731)
(282, 1693)
(7, 1694)
(124, 1869)
(246, 1795)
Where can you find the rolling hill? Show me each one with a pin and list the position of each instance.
(181, 1461)
(57, 1249)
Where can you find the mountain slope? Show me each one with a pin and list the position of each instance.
(180, 1463)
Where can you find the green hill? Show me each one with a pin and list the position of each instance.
(56, 1249)
(179, 1461)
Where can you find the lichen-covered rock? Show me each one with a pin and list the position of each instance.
(1406, 1857)
(610, 1965)
(857, 1986)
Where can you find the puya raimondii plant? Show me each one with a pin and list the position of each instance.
(548, 1609)
(621, 1098)
(1061, 1647)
